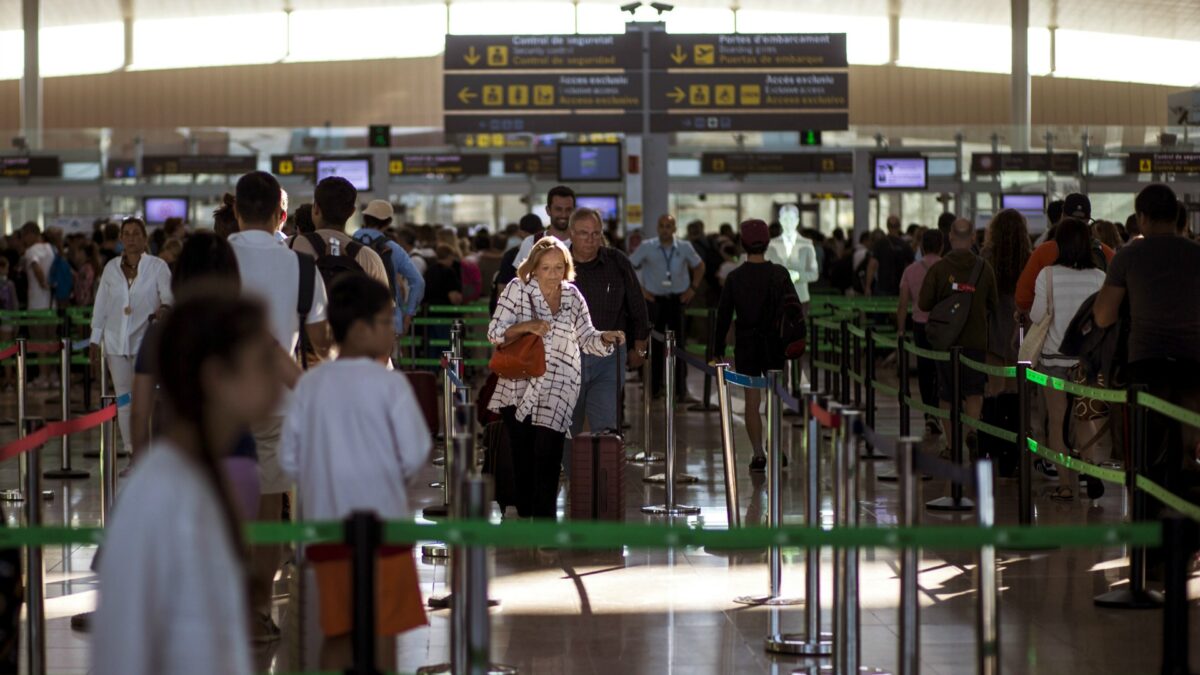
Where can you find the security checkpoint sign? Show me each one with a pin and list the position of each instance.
(438, 165)
(1163, 162)
(535, 91)
(761, 91)
(751, 51)
(542, 52)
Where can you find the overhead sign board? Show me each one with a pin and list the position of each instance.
(509, 123)
(529, 91)
(542, 52)
(294, 165)
(719, 121)
(168, 165)
(532, 163)
(757, 51)
(995, 162)
(27, 166)
(795, 91)
(438, 165)
(783, 162)
(1163, 162)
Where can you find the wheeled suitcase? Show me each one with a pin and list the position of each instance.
(498, 463)
(597, 477)
(425, 387)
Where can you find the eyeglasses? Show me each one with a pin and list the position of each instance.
(589, 235)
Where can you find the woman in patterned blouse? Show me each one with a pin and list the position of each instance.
(537, 412)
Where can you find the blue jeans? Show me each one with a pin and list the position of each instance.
(602, 380)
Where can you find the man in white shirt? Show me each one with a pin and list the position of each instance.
(36, 262)
(272, 273)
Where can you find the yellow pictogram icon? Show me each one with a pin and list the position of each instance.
(677, 95)
(718, 165)
(698, 94)
(497, 140)
(497, 56)
(286, 167)
(493, 94)
(472, 56)
(705, 55)
(828, 165)
(485, 141)
(465, 95)
(396, 167)
(751, 94)
(543, 94)
(518, 94)
(679, 56)
(1145, 165)
(725, 94)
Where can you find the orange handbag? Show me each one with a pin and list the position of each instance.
(522, 359)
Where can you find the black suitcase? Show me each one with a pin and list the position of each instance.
(1002, 411)
(498, 463)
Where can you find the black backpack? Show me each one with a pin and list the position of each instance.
(948, 318)
(333, 267)
(380, 246)
(304, 301)
(790, 331)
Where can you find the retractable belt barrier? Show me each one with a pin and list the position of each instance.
(63, 428)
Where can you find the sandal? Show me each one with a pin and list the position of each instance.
(1062, 494)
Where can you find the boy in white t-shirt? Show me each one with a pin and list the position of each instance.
(353, 438)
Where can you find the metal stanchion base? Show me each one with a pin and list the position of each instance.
(444, 669)
(437, 484)
(768, 601)
(95, 454)
(661, 478)
(893, 478)
(643, 458)
(800, 645)
(12, 495)
(703, 407)
(871, 455)
(435, 511)
(948, 504)
(861, 669)
(444, 602)
(438, 461)
(677, 510)
(67, 474)
(1126, 598)
(435, 551)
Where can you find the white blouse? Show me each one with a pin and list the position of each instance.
(122, 312)
(549, 399)
(1071, 288)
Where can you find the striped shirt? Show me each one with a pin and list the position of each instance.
(1071, 287)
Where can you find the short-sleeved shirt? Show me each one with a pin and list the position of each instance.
(913, 278)
(665, 269)
(1159, 275)
(956, 268)
(42, 255)
(337, 241)
(271, 273)
(440, 281)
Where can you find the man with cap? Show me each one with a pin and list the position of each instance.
(1074, 206)
(754, 291)
(377, 216)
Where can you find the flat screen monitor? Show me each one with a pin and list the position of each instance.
(899, 173)
(158, 209)
(607, 205)
(579, 163)
(357, 170)
(1027, 203)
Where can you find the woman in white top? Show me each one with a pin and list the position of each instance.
(134, 288)
(1061, 289)
(537, 412)
(173, 576)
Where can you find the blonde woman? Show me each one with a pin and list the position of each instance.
(537, 412)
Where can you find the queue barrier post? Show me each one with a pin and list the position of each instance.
(65, 470)
(670, 507)
(441, 510)
(905, 385)
(858, 369)
(646, 455)
(17, 494)
(909, 656)
(1180, 541)
(1135, 595)
(814, 353)
(829, 373)
(456, 338)
(108, 462)
(1025, 460)
(710, 349)
(844, 362)
(35, 611)
(956, 502)
(364, 534)
(732, 505)
(988, 620)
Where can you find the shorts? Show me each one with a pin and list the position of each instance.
(754, 358)
(398, 603)
(973, 382)
(271, 478)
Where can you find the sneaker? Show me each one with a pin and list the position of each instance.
(932, 428)
(265, 629)
(1046, 468)
(1095, 488)
(82, 622)
(758, 464)
(972, 443)
(784, 461)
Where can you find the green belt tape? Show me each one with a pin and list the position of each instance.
(920, 407)
(459, 309)
(700, 350)
(29, 314)
(825, 365)
(696, 311)
(826, 323)
(986, 369)
(1075, 464)
(1169, 409)
(857, 378)
(927, 353)
(438, 362)
(885, 389)
(54, 361)
(989, 429)
(434, 321)
(1172, 500)
(1044, 380)
(466, 343)
(887, 341)
(409, 341)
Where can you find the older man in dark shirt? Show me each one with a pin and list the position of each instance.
(614, 297)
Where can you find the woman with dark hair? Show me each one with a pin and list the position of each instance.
(175, 519)
(134, 288)
(1007, 247)
(1059, 291)
(224, 218)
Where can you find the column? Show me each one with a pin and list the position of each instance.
(31, 81)
(1021, 110)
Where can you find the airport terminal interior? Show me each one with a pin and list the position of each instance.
(572, 336)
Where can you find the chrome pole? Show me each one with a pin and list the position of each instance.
(456, 338)
(35, 613)
(988, 623)
(108, 461)
(774, 481)
(65, 472)
(732, 505)
(670, 508)
(910, 560)
(15, 494)
(646, 455)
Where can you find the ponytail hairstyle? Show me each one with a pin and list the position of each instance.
(210, 321)
(224, 218)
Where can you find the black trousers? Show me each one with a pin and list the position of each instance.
(537, 460)
(666, 313)
(927, 380)
(1170, 446)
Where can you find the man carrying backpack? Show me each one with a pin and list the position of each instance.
(890, 255)
(757, 291)
(960, 280)
(376, 217)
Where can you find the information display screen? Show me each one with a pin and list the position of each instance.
(356, 170)
(158, 209)
(607, 205)
(1028, 203)
(899, 173)
(582, 163)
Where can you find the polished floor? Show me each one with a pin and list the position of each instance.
(634, 611)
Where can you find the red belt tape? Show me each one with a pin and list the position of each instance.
(55, 430)
(824, 417)
(32, 348)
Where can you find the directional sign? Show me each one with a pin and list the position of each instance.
(532, 163)
(507, 123)
(760, 51)
(26, 166)
(788, 162)
(294, 165)
(793, 91)
(995, 162)
(438, 165)
(542, 52)
(716, 121)
(574, 91)
(168, 165)
(1163, 162)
